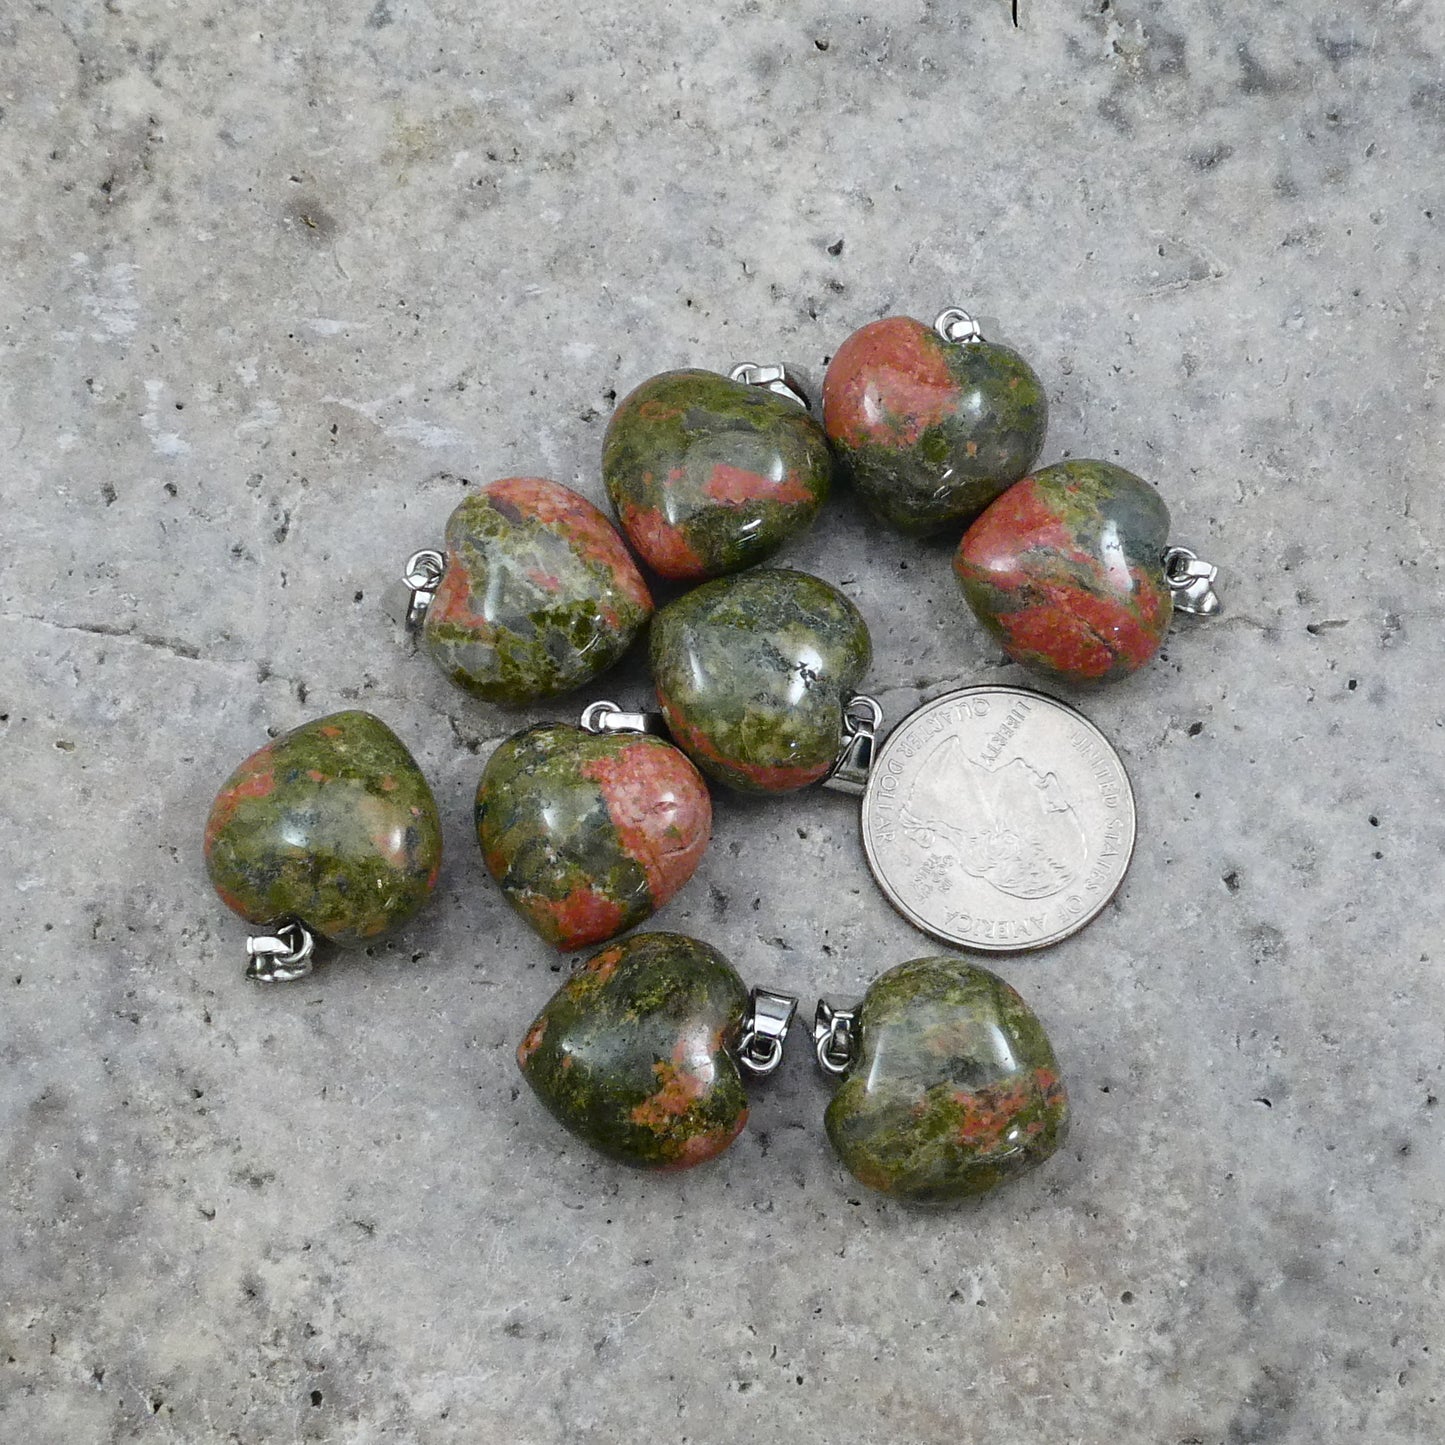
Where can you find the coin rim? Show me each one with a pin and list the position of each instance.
(902, 908)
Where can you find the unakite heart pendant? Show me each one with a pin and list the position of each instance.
(590, 830)
(1071, 571)
(710, 474)
(642, 1052)
(330, 832)
(950, 1085)
(754, 674)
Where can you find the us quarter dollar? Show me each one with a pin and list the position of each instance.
(998, 819)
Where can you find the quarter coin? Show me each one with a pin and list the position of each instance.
(998, 819)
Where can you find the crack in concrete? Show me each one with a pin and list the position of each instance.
(187, 650)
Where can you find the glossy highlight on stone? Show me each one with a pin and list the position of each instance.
(753, 674)
(590, 834)
(954, 1087)
(930, 430)
(1066, 571)
(634, 1052)
(539, 595)
(331, 825)
(709, 475)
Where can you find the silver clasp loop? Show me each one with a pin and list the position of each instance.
(956, 324)
(282, 956)
(861, 720)
(835, 1037)
(1191, 579)
(423, 575)
(772, 377)
(608, 717)
(769, 1017)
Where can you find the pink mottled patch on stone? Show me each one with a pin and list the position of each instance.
(679, 1089)
(584, 916)
(532, 1042)
(545, 580)
(661, 809)
(662, 546)
(782, 777)
(887, 384)
(253, 780)
(1020, 521)
(601, 966)
(452, 605)
(702, 1147)
(688, 736)
(734, 486)
(586, 529)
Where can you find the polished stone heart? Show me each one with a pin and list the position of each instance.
(333, 826)
(1066, 571)
(634, 1052)
(953, 1089)
(539, 594)
(589, 834)
(753, 675)
(931, 431)
(709, 475)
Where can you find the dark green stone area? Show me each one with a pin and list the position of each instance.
(633, 1053)
(710, 475)
(332, 825)
(753, 674)
(1106, 507)
(954, 1087)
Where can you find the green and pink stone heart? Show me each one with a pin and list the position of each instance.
(931, 431)
(1066, 571)
(539, 594)
(590, 834)
(331, 825)
(710, 475)
(753, 675)
(634, 1053)
(953, 1088)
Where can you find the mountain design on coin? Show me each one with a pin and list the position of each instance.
(1007, 823)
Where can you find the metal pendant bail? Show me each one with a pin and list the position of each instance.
(773, 377)
(862, 718)
(423, 575)
(1191, 579)
(765, 1030)
(835, 1037)
(281, 956)
(956, 324)
(608, 717)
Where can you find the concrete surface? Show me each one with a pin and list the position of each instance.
(279, 281)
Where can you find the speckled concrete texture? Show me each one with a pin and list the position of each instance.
(282, 280)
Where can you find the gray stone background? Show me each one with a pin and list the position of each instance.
(278, 281)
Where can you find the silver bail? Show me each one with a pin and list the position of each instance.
(1191, 579)
(772, 377)
(835, 1037)
(769, 1017)
(423, 576)
(861, 720)
(608, 717)
(956, 324)
(282, 956)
